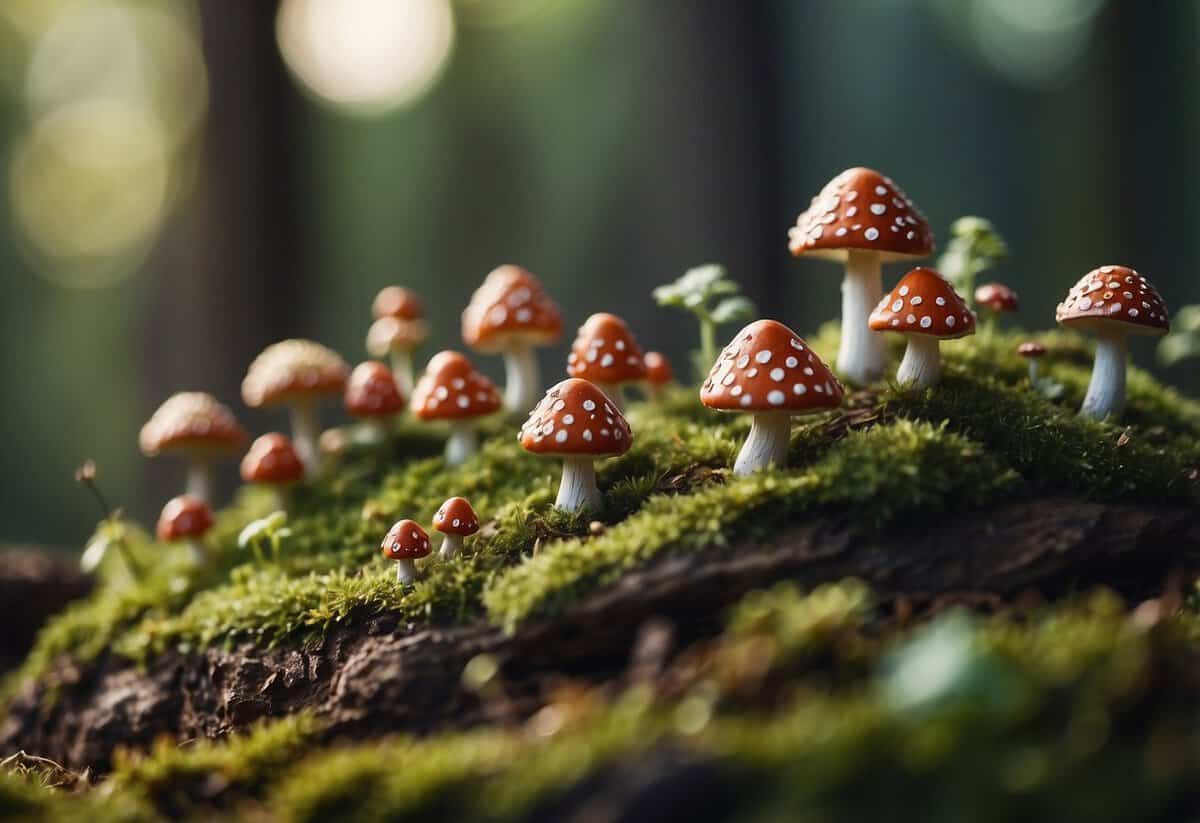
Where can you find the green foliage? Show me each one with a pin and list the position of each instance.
(974, 247)
(695, 292)
(1183, 341)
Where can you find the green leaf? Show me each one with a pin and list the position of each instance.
(733, 308)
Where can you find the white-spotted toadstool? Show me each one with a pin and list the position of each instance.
(452, 390)
(1112, 303)
(297, 374)
(658, 373)
(399, 328)
(578, 423)
(1032, 351)
(926, 309)
(863, 219)
(372, 395)
(405, 542)
(511, 314)
(769, 372)
(996, 299)
(606, 354)
(455, 519)
(188, 519)
(196, 426)
(272, 461)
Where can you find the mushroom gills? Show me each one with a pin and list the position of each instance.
(862, 357)
(578, 488)
(766, 445)
(521, 378)
(922, 363)
(451, 546)
(1106, 391)
(462, 444)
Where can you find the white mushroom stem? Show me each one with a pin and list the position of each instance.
(451, 546)
(1106, 392)
(1033, 371)
(862, 356)
(613, 392)
(200, 478)
(462, 444)
(197, 551)
(922, 363)
(306, 428)
(402, 370)
(578, 488)
(766, 445)
(522, 383)
(406, 571)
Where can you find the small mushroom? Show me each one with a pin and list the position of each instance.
(607, 355)
(373, 395)
(1032, 351)
(863, 219)
(195, 425)
(1112, 303)
(455, 519)
(658, 373)
(926, 309)
(297, 374)
(405, 542)
(399, 328)
(768, 371)
(577, 422)
(998, 299)
(511, 314)
(188, 519)
(452, 390)
(272, 461)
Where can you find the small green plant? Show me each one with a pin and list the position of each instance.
(975, 246)
(708, 293)
(111, 533)
(269, 531)
(1183, 342)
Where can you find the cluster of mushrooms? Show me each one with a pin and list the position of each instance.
(861, 219)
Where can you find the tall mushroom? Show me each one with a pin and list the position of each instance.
(455, 519)
(405, 542)
(511, 314)
(272, 461)
(658, 373)
(372, 395)
(607, 355)
(926, 309)
(769, 372)
(452, 390)
(863, 219)
(578, 423)
(196, 426)
(297, 374)
(1112, 303)
(188, 519)
(399, 328)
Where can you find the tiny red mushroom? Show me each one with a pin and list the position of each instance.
(511, 314)
(186, 519)
(768, 371)
(607, 355)
(272, 461)
(578, 423)
(997, 299)
(1032, 351)
(1112, 303)
(372, 395)
(405, 542)
(863, 219)
(455, 519)
(659, 373)
(196, 426)
(926, 309)
(399, 328)
(452, 390)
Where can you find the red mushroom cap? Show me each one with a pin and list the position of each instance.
(510, 307)
(576, 419)
(389, 334)
(451, 389)
(398, 302)
(658, 368)
(292, 370)
(192, 421)
(183, 517)
(997, 297)
(923, 302)
(272, 460)
(1031, 350)
(372, 391)
(768, 367)
(861, 209)
(1114, 296)
(456, 517)
(605, 351)
(406, 540)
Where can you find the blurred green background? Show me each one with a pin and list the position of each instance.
(186, 182)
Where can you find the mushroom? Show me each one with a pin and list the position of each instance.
(405, 542)
(373, 395)
(452, 390)
(926, 309)
(1112, 303)
(577, 422)
(511, 314)
(399, 328)
(768, 371)
(607, 355)
(1032, 351)
(998, 299)
(195, 425)
(186, 518)
(296, 374)
(658, 373)
(272, 461)
(455, 519)
(863, 219)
